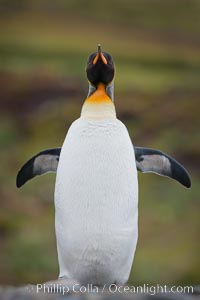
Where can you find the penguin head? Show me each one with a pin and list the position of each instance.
(100, 68)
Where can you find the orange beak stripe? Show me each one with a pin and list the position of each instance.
(104, 60)
(95, 59)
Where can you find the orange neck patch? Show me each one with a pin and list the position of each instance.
(99, 96)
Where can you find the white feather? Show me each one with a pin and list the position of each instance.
(96, 202)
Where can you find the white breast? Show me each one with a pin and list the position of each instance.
(96, 199)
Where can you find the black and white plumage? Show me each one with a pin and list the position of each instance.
(41, 163)
(155, 161)
(147, 161)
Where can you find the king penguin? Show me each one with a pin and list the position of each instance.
(96, 190)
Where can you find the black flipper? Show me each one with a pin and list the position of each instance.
(155, 161)
(43, 162)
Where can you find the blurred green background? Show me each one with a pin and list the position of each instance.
(43, 50)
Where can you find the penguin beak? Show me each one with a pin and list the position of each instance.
(99, 55)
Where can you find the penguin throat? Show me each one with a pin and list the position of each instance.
(109, 89)
(99, 104)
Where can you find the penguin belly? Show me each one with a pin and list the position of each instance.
(96, 203)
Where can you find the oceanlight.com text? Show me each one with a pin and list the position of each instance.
(113, 288)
